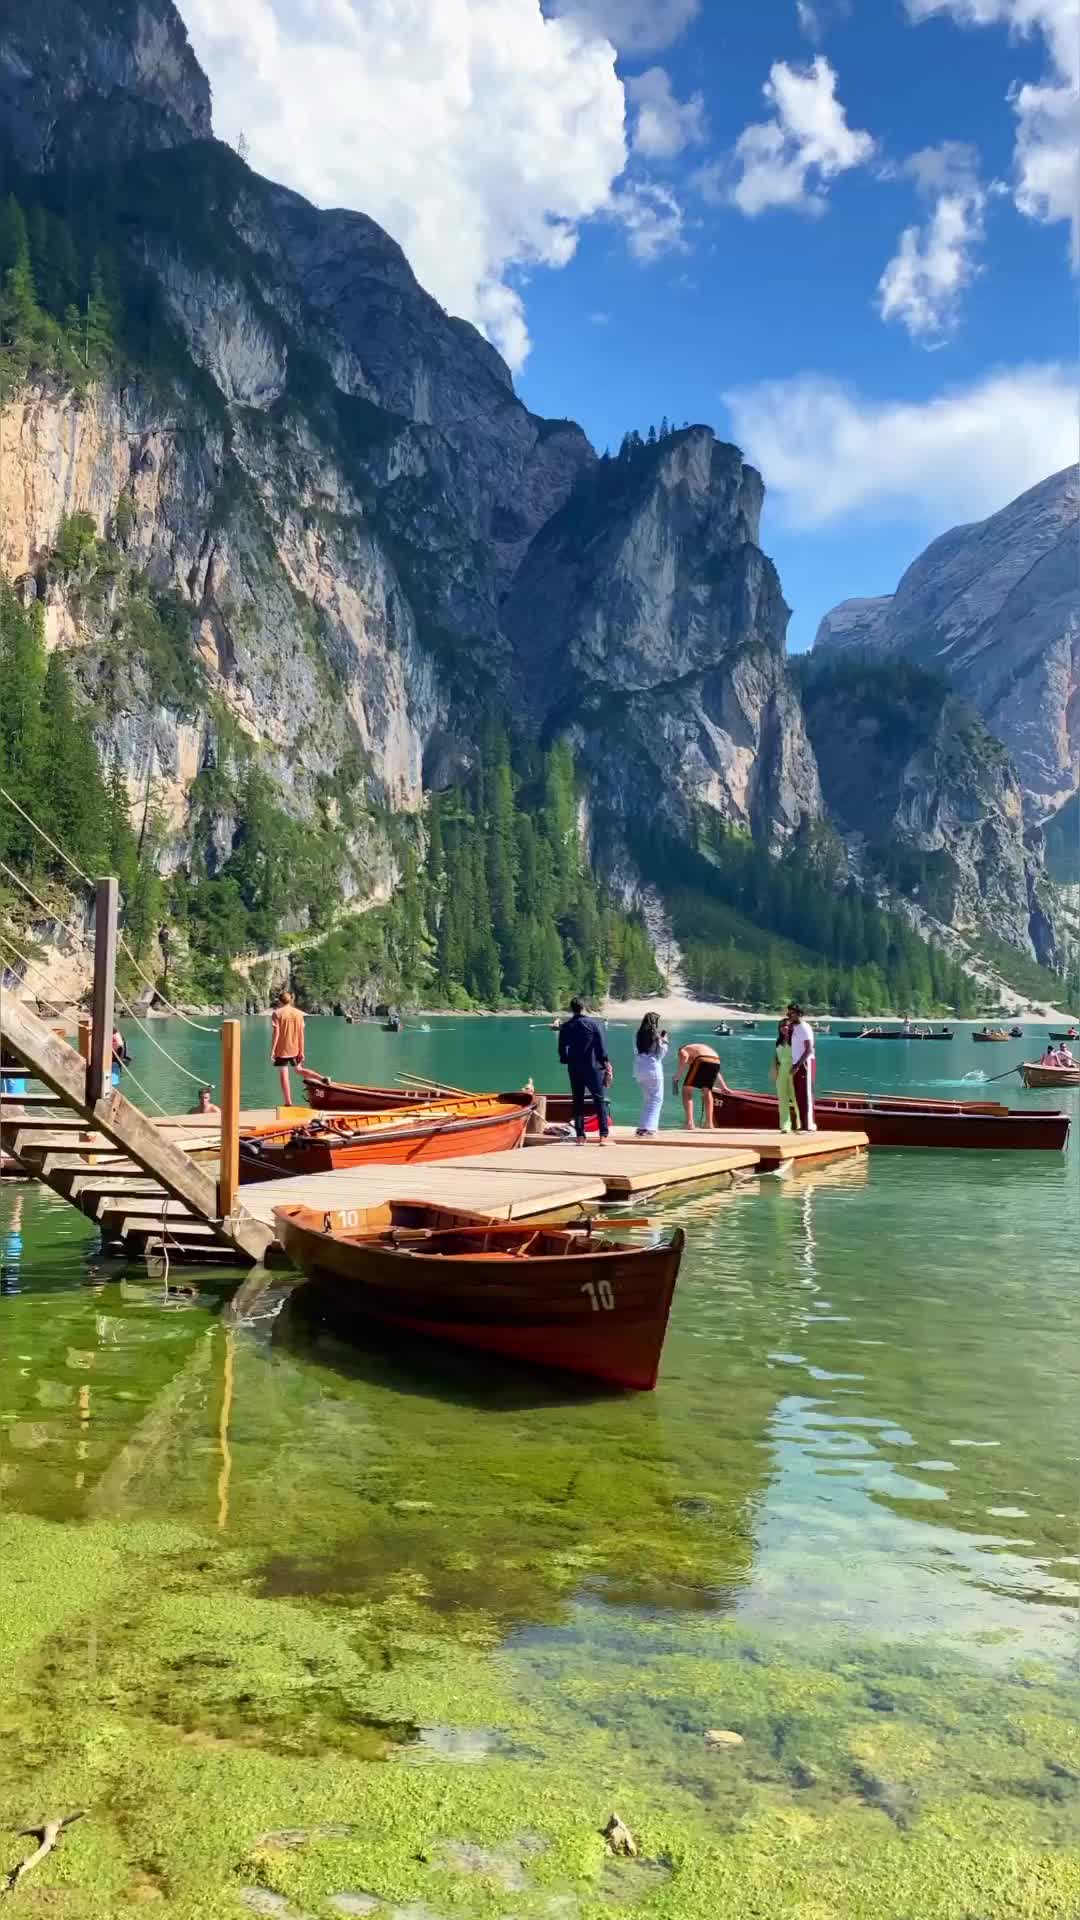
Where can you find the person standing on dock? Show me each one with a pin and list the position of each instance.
(781, 1071)
(286, 1041)
(803, 1066)
(699, 1067)
(650, 1052)
(583, 1052)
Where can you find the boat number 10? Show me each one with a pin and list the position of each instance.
(601, 1294)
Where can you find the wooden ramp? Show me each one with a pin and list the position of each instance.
(770, 1148)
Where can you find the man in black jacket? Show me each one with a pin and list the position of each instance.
(583, 1052)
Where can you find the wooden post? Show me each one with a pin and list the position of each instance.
(84, 1036)
(229, 1175)
(99, 1067)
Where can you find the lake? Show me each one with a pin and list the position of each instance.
(307, 1628)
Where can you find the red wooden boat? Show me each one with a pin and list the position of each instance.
(559, 1297)
(893, 1121)
(338, 1096)
(480, 1123)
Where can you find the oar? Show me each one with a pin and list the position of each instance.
(437, 1086)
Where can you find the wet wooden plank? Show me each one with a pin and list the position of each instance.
(628, 1165)
(773, 1148)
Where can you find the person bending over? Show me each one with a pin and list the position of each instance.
(699, 1068)
(583, 1052)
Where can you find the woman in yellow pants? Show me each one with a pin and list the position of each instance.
(782, 1074)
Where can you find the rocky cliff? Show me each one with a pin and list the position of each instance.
(927, 800)
(82, 83)
(645, 618)
(291, 520)
(996, 607)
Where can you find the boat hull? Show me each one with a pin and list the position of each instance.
(1036, 1076)
(337, 1096)
(888, 1124)
(856, 1033)
(599, 1313)
(283, 1155)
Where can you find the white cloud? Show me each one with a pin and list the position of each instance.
(924, 281)
(829, 453)
(478, 132)
(817, 16)
(663, 125)
(634, 26)
(788, 161)
(1047, 183)
(652, 218)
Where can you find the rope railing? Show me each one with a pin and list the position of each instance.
(76, 869)
(198, 1079)
(31, 967)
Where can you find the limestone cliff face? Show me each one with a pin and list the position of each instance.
(996, 607)
(646, 617)
(82, 84)
(928, 801)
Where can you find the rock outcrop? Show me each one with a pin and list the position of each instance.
(85, 85)
(996, 608)
(927, 800)
(646, 618)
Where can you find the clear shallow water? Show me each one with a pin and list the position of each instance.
(263, 1580)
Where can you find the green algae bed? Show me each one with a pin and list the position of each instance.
(307, 1630)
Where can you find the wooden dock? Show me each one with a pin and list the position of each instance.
(771, 1148)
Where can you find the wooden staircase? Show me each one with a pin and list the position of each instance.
(133, 1176)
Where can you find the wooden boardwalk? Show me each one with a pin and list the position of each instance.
(543, 1179)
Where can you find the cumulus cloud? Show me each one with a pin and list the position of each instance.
(923, 284)
(829, 453)
(663, 125)
(789, 160)
(478, 132)
(652, 218)
(1047, 171)
(634, 26)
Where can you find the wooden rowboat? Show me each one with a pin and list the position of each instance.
(995, 1034)
(1036, 1075)
(892, 1033)
(337, 1096)
(478, 1123)
(559, 1297)
(894, 1122)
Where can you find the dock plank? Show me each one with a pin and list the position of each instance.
(629, 1165)
(505, 1191)
(773, 1148)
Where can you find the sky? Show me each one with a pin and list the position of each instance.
(842, 232)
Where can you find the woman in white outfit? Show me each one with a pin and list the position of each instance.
(652, 1046)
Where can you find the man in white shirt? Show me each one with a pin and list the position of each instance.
(804, 1064)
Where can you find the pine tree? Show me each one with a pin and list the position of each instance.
(14, 240)
(22, 749)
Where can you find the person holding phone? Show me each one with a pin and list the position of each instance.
(651, 1051)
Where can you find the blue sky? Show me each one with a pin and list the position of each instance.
(836, 230)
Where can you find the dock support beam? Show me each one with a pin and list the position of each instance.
(99, 1066)
(229, 1171)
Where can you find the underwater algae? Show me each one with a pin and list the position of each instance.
(226, 1741)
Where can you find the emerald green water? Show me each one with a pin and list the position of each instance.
(311, 1629)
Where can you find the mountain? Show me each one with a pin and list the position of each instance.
(393, 682)
(996, 607)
